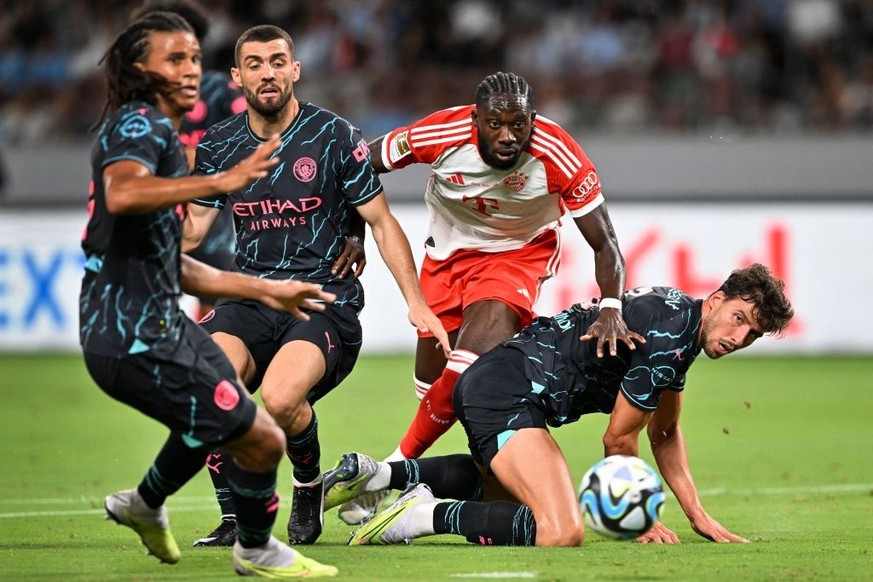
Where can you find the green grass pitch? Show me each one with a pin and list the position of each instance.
(781, 449)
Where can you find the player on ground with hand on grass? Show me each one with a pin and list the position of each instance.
(138, 345)
(515, 487)
(502, 178)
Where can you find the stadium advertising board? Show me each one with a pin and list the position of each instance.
(818, 251)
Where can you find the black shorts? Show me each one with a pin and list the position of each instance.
(336, 331)
(491, 401)
(193, 392)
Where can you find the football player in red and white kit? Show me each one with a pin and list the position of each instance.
(502, 177)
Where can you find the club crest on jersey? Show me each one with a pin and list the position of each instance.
(515, 181)
(135, 126)
(304, 169)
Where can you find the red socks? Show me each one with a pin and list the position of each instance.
(436, 415)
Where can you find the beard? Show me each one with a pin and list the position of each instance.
(494, 162)
(267, 110)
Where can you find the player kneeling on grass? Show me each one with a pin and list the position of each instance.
(549, 375)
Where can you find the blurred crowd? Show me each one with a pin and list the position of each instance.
(617, 66)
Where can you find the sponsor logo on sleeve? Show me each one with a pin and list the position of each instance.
(589, 184)
(362, 151)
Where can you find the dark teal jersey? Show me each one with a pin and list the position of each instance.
(220, 98)
(569, 380)
(130, 290)
(292, 224)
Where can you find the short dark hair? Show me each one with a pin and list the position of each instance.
(503, 84)
(765, 292)
(261, 33)
(124, 81)
(191, 10)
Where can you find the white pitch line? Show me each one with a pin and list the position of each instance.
(498, 575)
(173, 508)
(845, 488)
(91, 500)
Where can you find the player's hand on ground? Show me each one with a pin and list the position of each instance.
(250, 169)
(715, 532)
(608, 330)
(426, 321)
(659, 534)
(294, 296)
(353, 255)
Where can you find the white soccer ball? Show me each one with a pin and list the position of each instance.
(621, 497)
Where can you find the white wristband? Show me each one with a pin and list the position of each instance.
(610, 302)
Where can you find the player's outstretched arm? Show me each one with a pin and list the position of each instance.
(668, 447)
(291, 296)
(622, 437)
(394, 248)
(131, 188)
(376, 155)
(610, 327)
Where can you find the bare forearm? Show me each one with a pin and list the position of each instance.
(394, 248)
(376, 155)
(141, 194)
(672, 458)
(201, 279)
(609, 272)
(198, 221)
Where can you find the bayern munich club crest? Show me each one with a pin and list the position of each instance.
(304, 169)
(515, 181)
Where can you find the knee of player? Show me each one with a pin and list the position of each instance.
(286, 406)
(560, 532)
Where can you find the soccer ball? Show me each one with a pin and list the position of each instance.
(621, 497)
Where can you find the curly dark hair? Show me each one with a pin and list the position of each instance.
(124, 81)
(757, 285)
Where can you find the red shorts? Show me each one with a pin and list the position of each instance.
(513, 277)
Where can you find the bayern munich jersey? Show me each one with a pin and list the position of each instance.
(130, 291)
(474, 206)
(569, 380)
(292, 224)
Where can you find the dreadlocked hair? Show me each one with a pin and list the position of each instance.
(503, 84)
(124, 81)
(765, 292)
